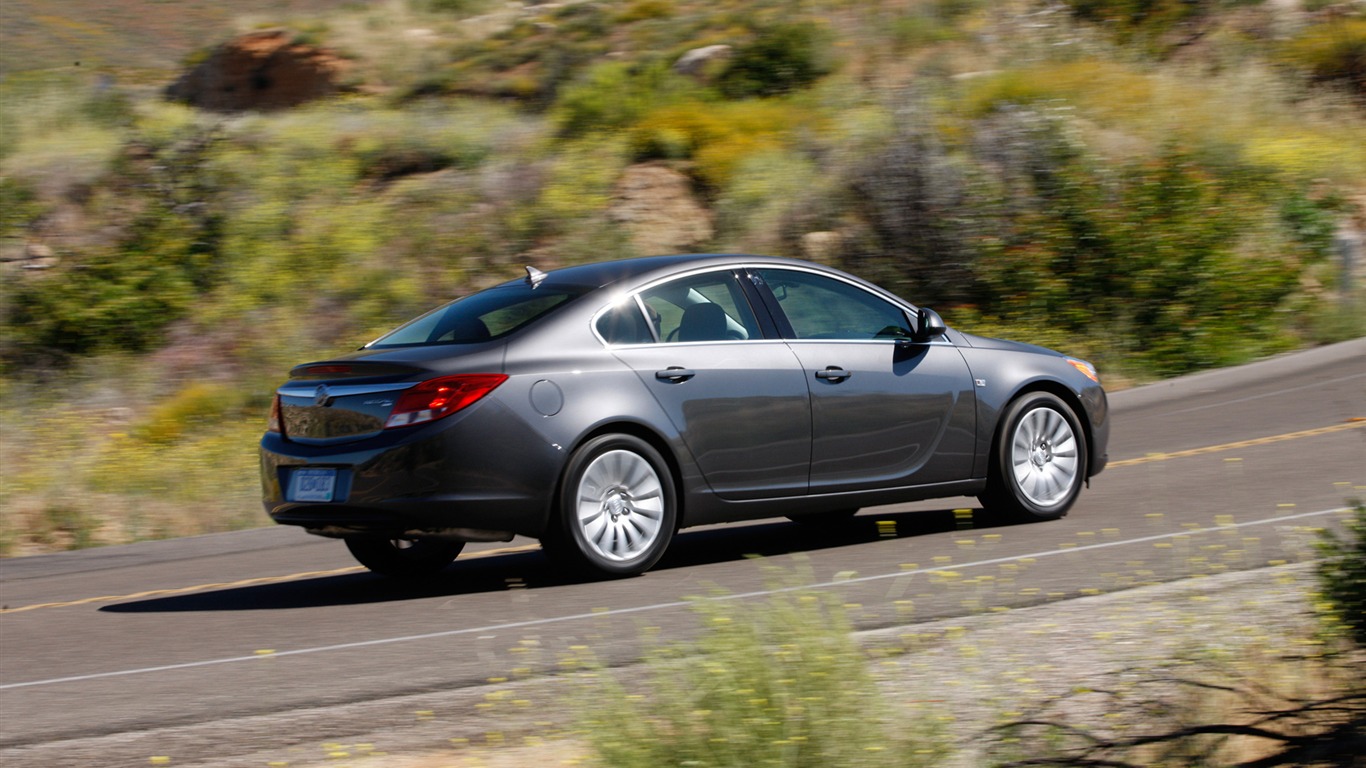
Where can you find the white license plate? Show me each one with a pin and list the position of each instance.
(312, 484)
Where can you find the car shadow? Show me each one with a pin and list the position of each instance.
(532, 570)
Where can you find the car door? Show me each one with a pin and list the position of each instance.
(885, 412)
(737, 397)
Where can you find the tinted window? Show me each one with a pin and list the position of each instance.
(624, 324)
(706, 307)
(481, 316)
(820, 307)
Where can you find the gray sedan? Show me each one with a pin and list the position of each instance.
(600, 408)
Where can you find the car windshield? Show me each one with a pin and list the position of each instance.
(481, 316)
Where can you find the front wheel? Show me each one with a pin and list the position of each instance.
(1039, 462)
(618, 508)
(403, 558)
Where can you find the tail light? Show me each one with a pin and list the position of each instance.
(438, 398)
(275, 424)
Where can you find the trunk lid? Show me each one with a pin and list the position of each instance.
(342, 401)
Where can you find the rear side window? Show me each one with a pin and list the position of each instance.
(624, 324)
(705, 307)
(481, 316)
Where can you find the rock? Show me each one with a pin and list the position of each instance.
(38, 251)
(657, 207)
(821, 247)
(260, 71)
(702, 62)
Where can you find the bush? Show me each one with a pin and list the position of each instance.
(1146, 21)
(781, 59)
(115, 301)
(913, 201)
(718, 137)
(194, 407)
(1180, 258)
(615, 95)
(19, 206)
(1332, 52)
(1342, 576)
(782, 684)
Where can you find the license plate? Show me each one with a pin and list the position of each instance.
(312, 484)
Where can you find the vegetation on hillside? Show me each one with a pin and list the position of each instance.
(1154, 185)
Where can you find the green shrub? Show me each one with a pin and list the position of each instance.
(453, 7)
(616, 95)
(191, 408)
(781, 684)
(718, 137)
(1147, 21)
(781, 59)
(1182, 259)
(19, 206)
(531, 60)
(1334, 51)
(115, 301)
(643, 10)
(1342, 576)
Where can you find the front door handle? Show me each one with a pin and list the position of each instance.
(834, 373)
(675, 374)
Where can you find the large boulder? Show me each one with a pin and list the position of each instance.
(263, 70)
(656, 205)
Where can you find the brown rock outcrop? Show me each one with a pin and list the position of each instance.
(263, 70)
(656, 205)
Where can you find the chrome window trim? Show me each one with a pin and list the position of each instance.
(909, 309)
(880, 293)
(754, 266)
(635, 293)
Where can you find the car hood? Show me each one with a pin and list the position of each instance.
(986, 342)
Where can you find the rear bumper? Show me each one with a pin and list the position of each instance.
(460, 474)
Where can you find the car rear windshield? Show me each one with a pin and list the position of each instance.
(481, 316)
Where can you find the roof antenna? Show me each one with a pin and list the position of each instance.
(534, 276)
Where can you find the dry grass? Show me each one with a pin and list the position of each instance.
(126, 36)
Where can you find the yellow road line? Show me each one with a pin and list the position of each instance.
(1349, 424)
(1354, 423)
(242, 583)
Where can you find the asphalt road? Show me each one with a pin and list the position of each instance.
(1229, 470)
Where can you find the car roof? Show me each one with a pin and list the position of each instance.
(605, 273)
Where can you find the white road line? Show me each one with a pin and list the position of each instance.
(496, 628)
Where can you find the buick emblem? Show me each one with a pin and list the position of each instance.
(321, 396)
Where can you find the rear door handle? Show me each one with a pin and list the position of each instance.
(675, 374)
(834, 373)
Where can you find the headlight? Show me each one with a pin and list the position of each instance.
(1087, 370)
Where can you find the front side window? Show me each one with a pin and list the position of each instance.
(481, 316)
(706, 307)
(820, 307)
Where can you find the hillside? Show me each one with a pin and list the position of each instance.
(1156, 185)
(139, 38)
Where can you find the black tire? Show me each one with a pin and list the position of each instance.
(825, 519)
(404, 558)
(617, 508)
(1039, 460)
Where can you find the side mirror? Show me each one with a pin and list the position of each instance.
(928, 325)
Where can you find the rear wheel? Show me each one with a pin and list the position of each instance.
(403, 558)
(617, 509)
(1039, 462)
